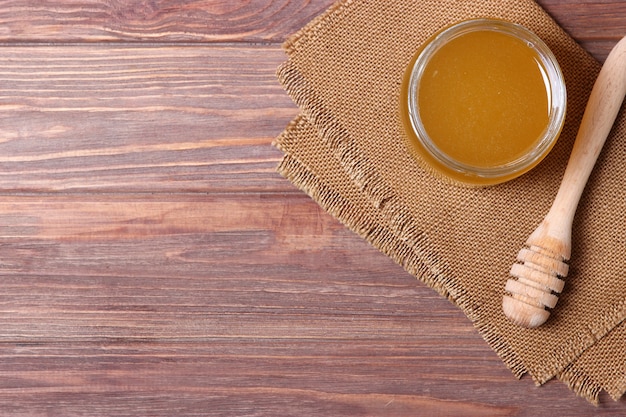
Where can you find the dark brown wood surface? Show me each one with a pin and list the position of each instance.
(153, 263)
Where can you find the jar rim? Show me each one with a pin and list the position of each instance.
(556, 95)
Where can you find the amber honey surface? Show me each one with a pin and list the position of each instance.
(483, 98)
(483, 101)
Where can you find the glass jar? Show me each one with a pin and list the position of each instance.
(483, 102)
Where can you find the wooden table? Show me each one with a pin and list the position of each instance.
(153, 263)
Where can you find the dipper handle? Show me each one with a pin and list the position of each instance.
(541, 266)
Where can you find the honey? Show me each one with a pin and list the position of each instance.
(483, 102)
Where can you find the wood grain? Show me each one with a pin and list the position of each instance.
(198, 305)
(140, 119)
(165, 21)
(153, 263)
(595, 24)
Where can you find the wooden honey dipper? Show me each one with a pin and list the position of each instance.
(541, 265)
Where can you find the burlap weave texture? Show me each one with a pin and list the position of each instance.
(348, 150)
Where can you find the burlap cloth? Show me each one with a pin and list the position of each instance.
(348, 151)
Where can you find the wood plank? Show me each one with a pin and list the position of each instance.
(593, 23)
(127, 118)
(596, 25)
(163, 21)
(189, 267)
(231, 305)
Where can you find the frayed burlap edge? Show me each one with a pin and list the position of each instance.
(375, 231)
(579, 380)
(581, 384)
(382, 237)
(334, 12)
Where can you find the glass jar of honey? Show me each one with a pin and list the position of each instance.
(483, 102)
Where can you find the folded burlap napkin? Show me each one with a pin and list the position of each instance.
(348, 151)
